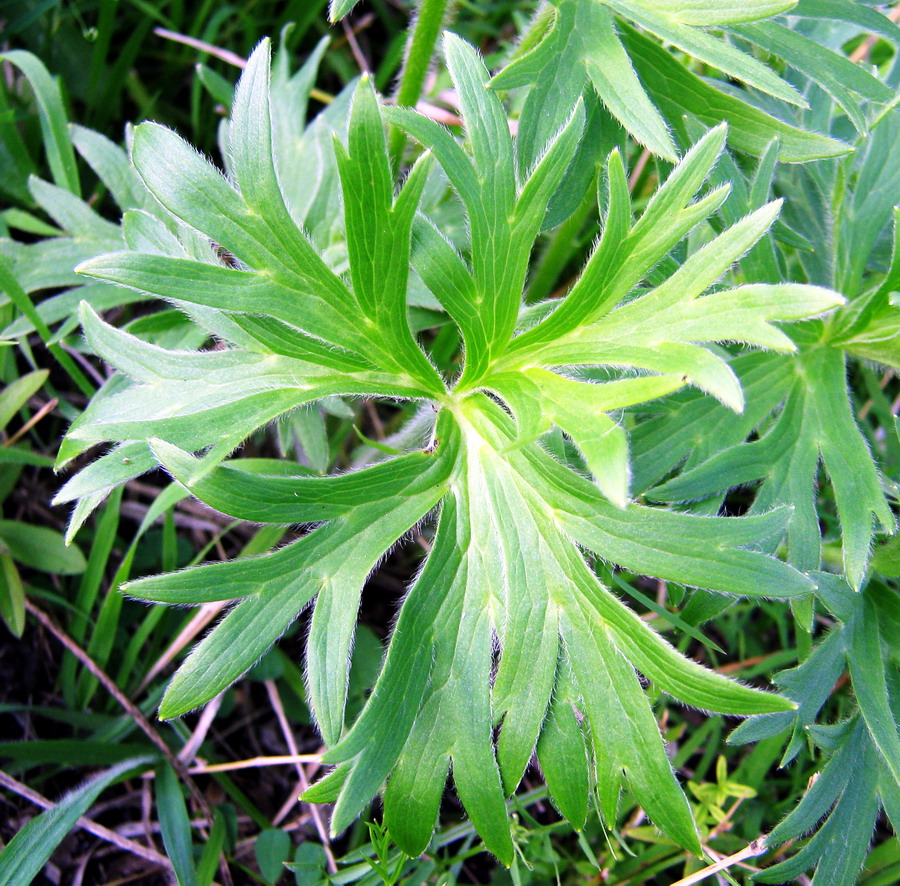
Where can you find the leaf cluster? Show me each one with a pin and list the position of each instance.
(696, 362)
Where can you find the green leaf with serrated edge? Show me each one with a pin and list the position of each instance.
(672, 672)
(488, 214)
(544, 112)
(376, 740)
(210, 390)
(653, 542)
(538, 397)
(378, 226)
(816, 419)
(827, 788)
(809, 685)
(502, 218)
(625, 732)
(744, 314)
(678, 92)
(421, 768)
(529, 633)
(230, 290)
(269, 240)
(195, 192)
(333, 559)
(220, 407)
(625, 253)
(459, 697)
(764, 378)
(334, 617)
(581, 46)
(839, 846)
(678, 299)
(858, 744)
(857, 488)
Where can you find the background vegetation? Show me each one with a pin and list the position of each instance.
(212, 797)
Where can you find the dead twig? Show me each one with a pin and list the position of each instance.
(757, 847)
(86, 824)
(130, 708)
(49, 406)
(287, 732)
(232, 58)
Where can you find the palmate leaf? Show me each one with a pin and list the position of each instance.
(813, 418)
(816, 422)
(506, 570)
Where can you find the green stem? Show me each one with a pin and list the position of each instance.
(419, 49)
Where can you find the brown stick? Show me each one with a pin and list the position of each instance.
(49, 406)
(757, 847)
(638, 169)
(862, 51)
(112, 688)
(86, 824)
(224, 54)
(287, 732)
(204, 615)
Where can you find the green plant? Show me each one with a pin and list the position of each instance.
(582, 371)
(505, 562)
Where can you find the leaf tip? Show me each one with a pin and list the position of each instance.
(164, 714)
